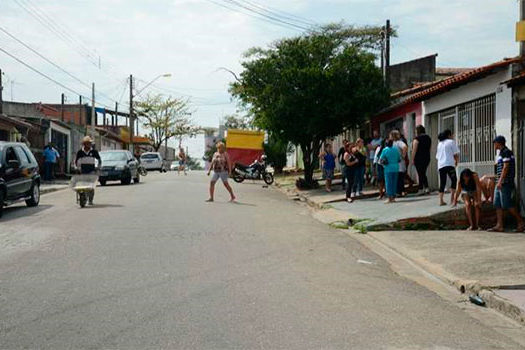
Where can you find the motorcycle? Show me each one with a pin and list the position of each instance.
(255, 171)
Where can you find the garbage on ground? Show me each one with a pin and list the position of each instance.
(476, 299)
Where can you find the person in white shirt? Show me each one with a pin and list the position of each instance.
(448, 157)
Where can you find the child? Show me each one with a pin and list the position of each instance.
(470, 188)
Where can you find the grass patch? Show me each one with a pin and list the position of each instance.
(341, 225)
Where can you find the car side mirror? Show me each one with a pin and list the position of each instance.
(15, 164)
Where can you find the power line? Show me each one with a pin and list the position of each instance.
(281, 14)
(53, 63)
(43, 57)
(62, 32)
(250, 15)
(260, 13)
(51, 26)
(48, 77)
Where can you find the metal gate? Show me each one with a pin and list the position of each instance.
(472, 123)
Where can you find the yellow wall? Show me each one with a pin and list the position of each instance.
(245, 139)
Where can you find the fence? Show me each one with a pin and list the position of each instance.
(473, 125)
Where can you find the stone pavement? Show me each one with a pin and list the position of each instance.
(486, 263)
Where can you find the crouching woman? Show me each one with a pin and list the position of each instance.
(469, 187)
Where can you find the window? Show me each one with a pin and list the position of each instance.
(24, 159)
(150, 156)
(10, 155)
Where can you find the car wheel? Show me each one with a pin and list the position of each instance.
(35, 195)
(126, 181)
(1, 202)
(137, 179)
(102, 182)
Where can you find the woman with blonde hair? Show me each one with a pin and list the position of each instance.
(222, 168)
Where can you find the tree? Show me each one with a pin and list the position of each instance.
(277, 150)
(234, 121)
(165, 117)
(308, 88)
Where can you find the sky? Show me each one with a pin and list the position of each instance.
(104, 41)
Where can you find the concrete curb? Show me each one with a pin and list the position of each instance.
(493, 301)
(52, 189)
(487, 293)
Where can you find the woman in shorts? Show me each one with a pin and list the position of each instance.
(222, 168)
(469, 187)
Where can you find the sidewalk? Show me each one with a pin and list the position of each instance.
(53, 186)
(489, 264)
(411, 212)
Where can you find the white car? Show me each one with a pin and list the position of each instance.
(152, 161)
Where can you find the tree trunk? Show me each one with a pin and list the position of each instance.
(310, 151)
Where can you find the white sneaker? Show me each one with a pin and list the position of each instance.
(352, 195)
(359, 193)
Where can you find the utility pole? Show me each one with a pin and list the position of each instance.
(93, 113)
(131, 118)
(80, 111)
(62, 100)
(522, 18)
(1, 99)
(386, 59)
(115, 122)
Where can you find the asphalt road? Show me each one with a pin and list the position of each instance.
(154, 266)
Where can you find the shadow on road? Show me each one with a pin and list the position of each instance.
(245, 204)
(20, 211)
(102, 206)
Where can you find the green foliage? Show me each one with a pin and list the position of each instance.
(165, 117)
(277, 150)
(208, 154)
(308, 88)
(193, 164)
(234, 121)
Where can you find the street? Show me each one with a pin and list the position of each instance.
(154, 266)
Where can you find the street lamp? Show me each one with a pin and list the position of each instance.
(131, 96)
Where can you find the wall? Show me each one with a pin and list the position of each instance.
(401, 112)
(404, 75)
(477, 89)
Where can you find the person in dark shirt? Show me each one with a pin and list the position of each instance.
(421, 157)
(341, 160)
(86, 161)
(505, 188)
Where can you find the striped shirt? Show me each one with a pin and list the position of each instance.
(505, 156)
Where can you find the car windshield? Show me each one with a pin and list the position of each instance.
(113, 156)
(149, 156)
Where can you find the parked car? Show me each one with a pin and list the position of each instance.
(19, 177)
(153, 161)
(119, 165)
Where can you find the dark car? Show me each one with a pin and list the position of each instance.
(119, 165)
(19, 177)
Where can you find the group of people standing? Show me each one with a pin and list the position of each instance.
(387, 161)
(383, 161)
